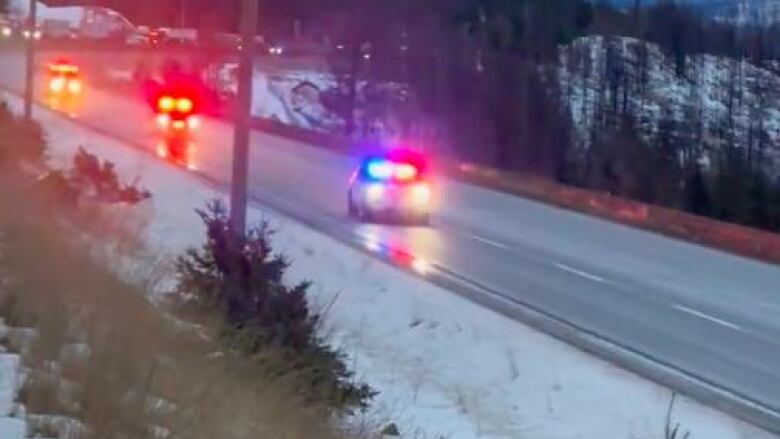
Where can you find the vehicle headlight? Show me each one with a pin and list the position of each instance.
(7, 32)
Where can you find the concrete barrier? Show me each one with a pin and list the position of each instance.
(745, 241)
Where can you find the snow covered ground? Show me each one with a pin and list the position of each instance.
(10, 427)
(445, 367)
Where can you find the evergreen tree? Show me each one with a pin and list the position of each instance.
(243, 279)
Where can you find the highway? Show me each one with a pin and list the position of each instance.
(661, 306)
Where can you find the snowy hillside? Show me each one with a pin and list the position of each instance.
(746, 12)
(749, 12)
(717, 100)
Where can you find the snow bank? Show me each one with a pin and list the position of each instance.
(445, 366)
(10, 427)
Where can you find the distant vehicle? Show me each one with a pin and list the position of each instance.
(177, 119)
(57, 29)
(65, 86)
(391, 187)
(139, 36)
(103, 23)
(180, 35)
(6, 28)
(176, 112)
(297, 47)
(35, 33)
(177, 101)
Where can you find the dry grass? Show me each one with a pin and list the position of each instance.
(115, 366)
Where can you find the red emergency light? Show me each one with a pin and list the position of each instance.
(169, 104)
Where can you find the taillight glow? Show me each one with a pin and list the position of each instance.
(166, 104)
(57, 84)
(193, 122)
(75, 86)
(184, 105)
(163, 120)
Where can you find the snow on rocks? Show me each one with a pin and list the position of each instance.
(637, 77)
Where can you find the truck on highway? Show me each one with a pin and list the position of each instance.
(180, 35)
(57, 29)
(7, 27)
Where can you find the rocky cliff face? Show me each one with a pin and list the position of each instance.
(713, 102)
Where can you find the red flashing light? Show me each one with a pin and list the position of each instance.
(166, 104)
(184, 105)
(170, 104)
(62, 67)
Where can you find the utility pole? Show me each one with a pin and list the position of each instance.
(182, 13)
(29, 83)
(238, 189)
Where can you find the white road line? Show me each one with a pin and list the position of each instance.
(489, 242)
(581, 273)
(707, 317)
